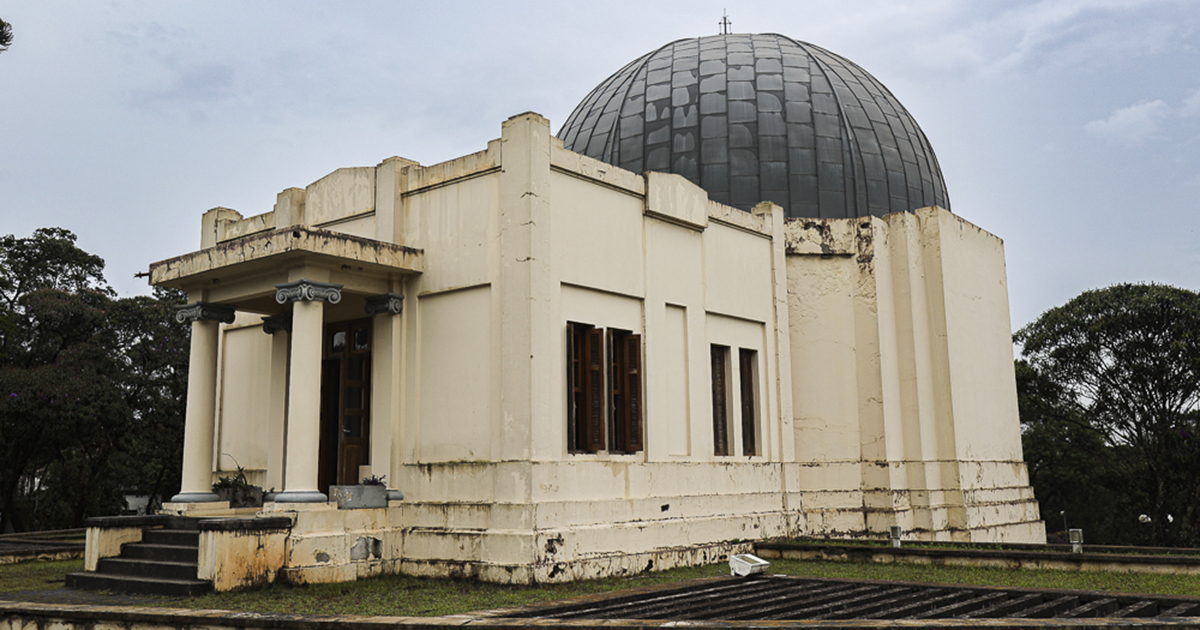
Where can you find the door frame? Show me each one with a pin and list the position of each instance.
(345, 439)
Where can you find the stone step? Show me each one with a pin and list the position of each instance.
(183, 523)
(138, 585)
(179, 537)
(147, 568)
(162, 553)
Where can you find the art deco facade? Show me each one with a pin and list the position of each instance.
(570, 369)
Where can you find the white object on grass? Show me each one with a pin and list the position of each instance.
(746, 564)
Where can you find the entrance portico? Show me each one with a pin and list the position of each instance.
(299, 280)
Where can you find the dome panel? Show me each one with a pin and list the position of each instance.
(753, 118)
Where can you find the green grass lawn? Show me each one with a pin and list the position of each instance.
(409, 596)
(34, 575)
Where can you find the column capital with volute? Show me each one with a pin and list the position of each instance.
(308, 291)
(204, 311)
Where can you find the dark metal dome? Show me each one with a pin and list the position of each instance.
(753, 118)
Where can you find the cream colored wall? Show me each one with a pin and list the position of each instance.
(737, 278)
(671, 437)
(584, 247)
(823, 322)
(599, 308)
(346, 192)
(452, 372)
(362, 226)
(596, 236)
(716, 281)
(825, 399)
(244, 406)
(456, 226)
(979, 341)
(902, 378)
(676, 344)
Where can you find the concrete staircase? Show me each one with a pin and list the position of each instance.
(163, 563)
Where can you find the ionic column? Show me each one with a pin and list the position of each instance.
(304, 387)
(385, 383)
(200, 418)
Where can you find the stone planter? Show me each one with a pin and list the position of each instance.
(241, 496)
(359, 497)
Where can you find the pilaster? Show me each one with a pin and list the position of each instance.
(289, 208)
(779, 345)
(279, 327)
(387, 311)
(391, 181)
(526, 287)
(212, 225)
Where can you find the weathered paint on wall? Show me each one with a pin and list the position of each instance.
(886, 315)
(241, 558)
(106, 543)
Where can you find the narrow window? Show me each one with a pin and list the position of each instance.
(585, 387)
(625, 391)
(720, 399)
(746, 362)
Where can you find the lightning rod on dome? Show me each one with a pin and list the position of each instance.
(724, 22)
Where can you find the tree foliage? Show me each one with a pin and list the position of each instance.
(92, 386)
(5, 35)
(1110, 402)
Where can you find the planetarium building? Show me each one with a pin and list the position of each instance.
(728, 302)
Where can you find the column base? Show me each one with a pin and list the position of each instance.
(195, 497)
(197, 510)
(301, 496)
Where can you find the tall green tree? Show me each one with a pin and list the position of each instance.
(1071, 465)
(5, 35)
(1124, 362)
(92, 385)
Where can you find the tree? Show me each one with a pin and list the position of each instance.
(1126, 361)
(93, 385)
(1071, 466)
(48, 259)
(5, 35)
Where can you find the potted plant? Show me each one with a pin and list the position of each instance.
(371, 492)
(238, 491)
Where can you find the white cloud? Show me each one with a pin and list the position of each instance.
(1022, 37)
(1130, 125)
(1191, 105)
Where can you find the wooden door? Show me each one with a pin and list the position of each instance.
(345, 402)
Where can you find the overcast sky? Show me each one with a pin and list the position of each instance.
(1069, 128)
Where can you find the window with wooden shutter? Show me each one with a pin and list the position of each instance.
(746, 361)
(575, 386)
(720, 399)
(625, 391)
(595, 386)
(585, 388)
(633, 378)
(589, 429)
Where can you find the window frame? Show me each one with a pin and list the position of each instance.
(625, 391)
(722, 397)
(605, 406)
(748, 382)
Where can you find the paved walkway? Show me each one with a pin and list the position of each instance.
(90, 598)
